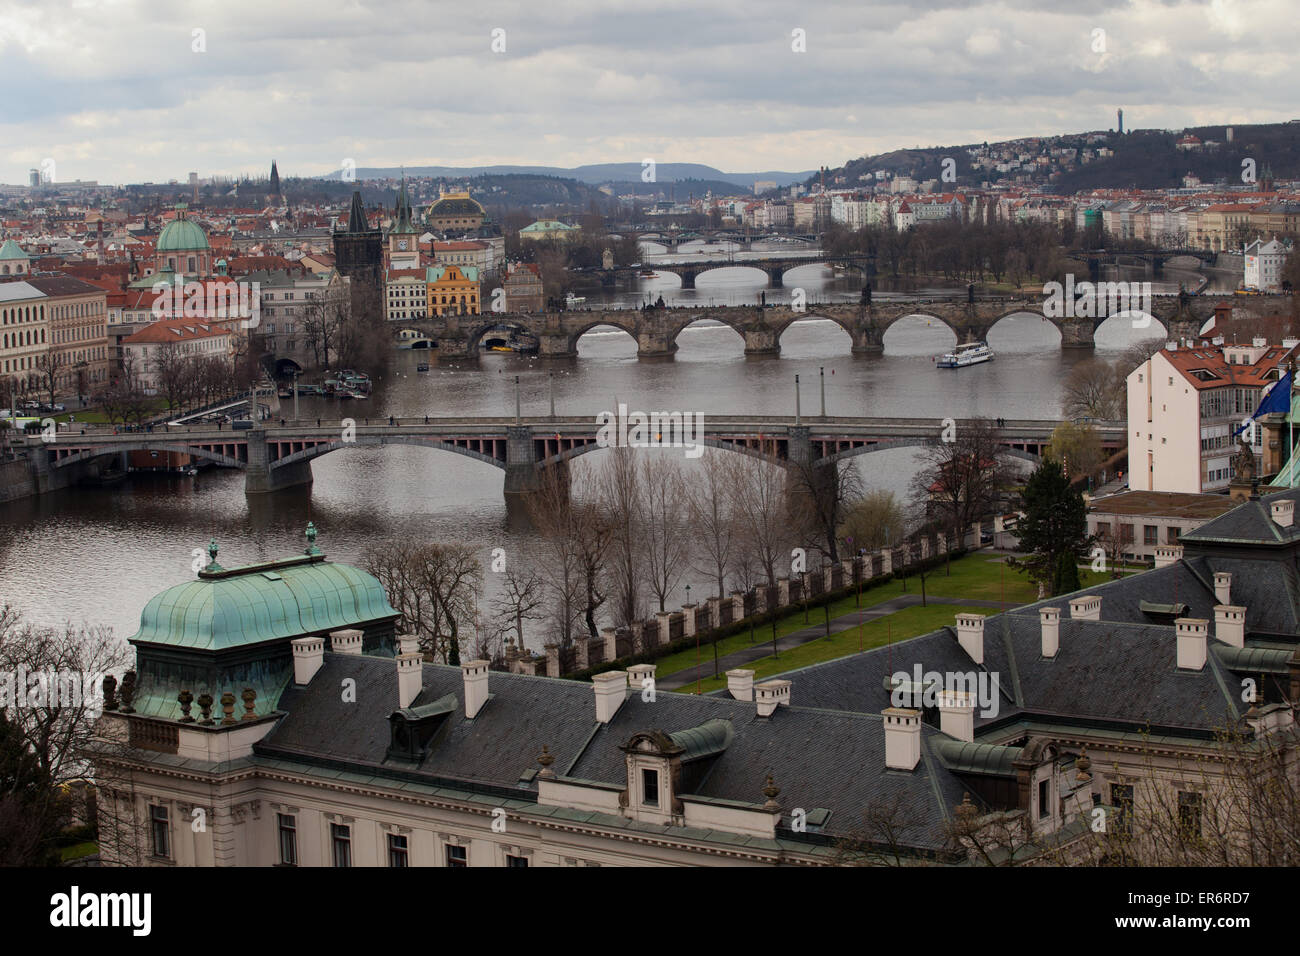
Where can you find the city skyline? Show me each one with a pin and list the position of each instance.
(583, 86)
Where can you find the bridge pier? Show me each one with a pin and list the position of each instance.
(776, 276)
(688, 278)
(1078, 334)
(525, 475)
(554, 345)
(262, 477)
(761, 343)
(654, 345)
(868, 340)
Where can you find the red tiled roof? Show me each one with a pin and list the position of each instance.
(175, 330)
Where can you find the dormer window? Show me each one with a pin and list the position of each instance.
(649, 787)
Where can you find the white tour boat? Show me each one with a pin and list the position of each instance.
(971, 353)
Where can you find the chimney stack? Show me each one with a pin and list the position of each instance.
(1223, 587)
(637, 673)
(1230, 624)
(611, 691)
(1283, 512)
(1050, 619)
(740, 684)
(1167, 554)
(902, 738)
(1193, 640)
(475, 676)
(347, 641)
(308, 656)
(957, 714)
(409, 673)
(1087, 608)
(770, 695)
(970, 635)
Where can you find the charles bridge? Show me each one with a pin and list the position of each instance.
(277, 456)
(656, 329)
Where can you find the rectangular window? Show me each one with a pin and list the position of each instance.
(398, 855)
(288, 839)
(1150, 534)
(341, 837)
(1172, 535)
(516, 860)
(457, 856)
(1189, 815)
(1044, 799)
(1121, 799)
(650, 788)
(160, 831)
(1126, 533)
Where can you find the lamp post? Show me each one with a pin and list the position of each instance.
(821, 371)
(796, 400)
(697, 646)
(516, 399)
(551, 376)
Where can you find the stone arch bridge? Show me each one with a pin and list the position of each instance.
(656, 330)
(275, 457)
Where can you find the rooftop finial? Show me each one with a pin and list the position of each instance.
(311, 539)
(212, 556)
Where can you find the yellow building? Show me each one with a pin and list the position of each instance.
(453, 290)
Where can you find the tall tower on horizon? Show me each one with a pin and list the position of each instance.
(1121, 121)
(275, 180)
(359, 255)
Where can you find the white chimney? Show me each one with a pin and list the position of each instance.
(347, 641)
(408, 644)
(740, 683)
(308, 656)
(1050, 619)
(637, 673)
(1259, 342)
(1283, 512)
(409, 673)
(475, 676)
(902, 738)
(1223, 587)
(1167, 554)
(1193, 641)
(611, 691)
(970, 635)
(1230, 624)
(957, 714)
(771, 694)
(1087, 608)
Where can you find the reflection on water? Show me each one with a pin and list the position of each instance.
(99, 554)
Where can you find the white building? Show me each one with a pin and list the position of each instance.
(1264, 262)
(1184, 405)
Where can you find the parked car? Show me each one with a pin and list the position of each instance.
(242, 424)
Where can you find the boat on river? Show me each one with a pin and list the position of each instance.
(972, 353)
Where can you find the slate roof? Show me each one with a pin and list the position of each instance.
(1248, 524)
(820, 759)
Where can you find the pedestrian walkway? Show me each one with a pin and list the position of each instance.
(812, 632)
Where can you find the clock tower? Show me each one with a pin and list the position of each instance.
(403, 238)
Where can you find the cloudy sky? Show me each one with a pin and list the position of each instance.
(129, 91)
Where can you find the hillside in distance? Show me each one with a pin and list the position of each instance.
(593, 175)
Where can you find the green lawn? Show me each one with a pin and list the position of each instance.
(909, 622)
(980, 576)
(78, 850)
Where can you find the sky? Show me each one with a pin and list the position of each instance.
(124, 91)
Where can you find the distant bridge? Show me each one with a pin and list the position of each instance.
(656, 330)
(775, 266)
(275, 457)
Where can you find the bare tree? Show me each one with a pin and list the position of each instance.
(666, 533)
(761, 506)
(619, 493)
(713, 520)
(50, 364)
(874, 521)
(821, 493)
(521, 598)
(434, 587)
(1094, 389)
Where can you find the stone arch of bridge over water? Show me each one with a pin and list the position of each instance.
(603, 326)
(908, 335)
(807, 328)
(1023, 331)
(377, 441)
(711, 334)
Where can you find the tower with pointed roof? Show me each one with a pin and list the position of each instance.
(403, 237)
(275, 180)
(359, 255)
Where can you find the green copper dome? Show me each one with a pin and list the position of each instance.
(240, 607)
(182, 235)
(11, 250)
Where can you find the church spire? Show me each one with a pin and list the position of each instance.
(275, 180)
(357, 221)
(402, 218)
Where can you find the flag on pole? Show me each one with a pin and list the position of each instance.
(1276, 399)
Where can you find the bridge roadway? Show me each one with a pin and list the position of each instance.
(656, 330)
(275, 456)
(775, 266)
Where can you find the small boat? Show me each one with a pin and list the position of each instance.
(648, 274)
(972, 353)
(571, 300)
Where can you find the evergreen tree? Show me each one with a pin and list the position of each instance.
(1055, 525)
(29, 819)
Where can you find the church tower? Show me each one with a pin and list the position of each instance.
(403, 238)
(275, 181)
(359, 255)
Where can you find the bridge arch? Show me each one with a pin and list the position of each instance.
(1027, 322)
(179, 448)
(840, 321)
(570, 453)
(374, 441)
(893, 443)
(735, 337)
(604, 319)
(475, 335)
(920, 319)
